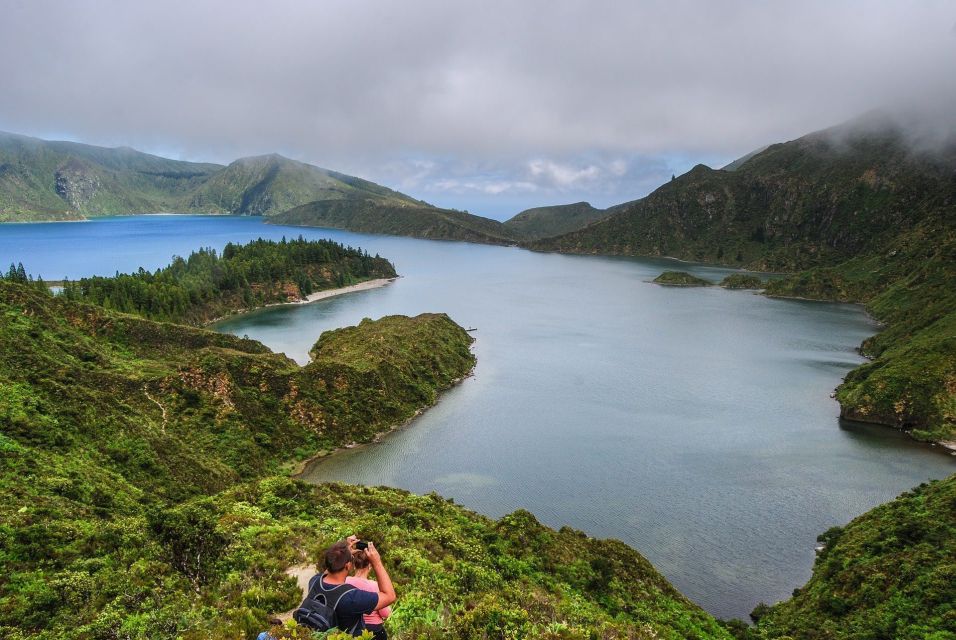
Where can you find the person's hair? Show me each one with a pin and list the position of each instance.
(337, 556)
(360, 559)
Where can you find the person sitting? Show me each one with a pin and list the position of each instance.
(353, 604)
(361, 567)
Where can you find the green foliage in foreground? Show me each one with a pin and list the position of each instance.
(135, 462)
(742, 281)
(206, 286)
(681, 279)
(891, 573)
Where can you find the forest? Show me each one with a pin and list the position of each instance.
(208, 285)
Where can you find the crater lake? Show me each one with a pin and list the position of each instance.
(694, 424)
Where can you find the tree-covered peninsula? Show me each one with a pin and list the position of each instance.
(857, 213)
(138, 462)
(207, 285)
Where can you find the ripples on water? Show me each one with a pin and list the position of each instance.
(694, 424)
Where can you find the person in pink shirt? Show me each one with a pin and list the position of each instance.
(373, 621)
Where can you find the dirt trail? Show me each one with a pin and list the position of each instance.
(302, 573)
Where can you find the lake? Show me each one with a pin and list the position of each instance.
(694, 424)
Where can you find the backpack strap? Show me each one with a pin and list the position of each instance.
(333, 596)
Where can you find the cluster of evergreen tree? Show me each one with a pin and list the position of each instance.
(17, 273)
(207, 285)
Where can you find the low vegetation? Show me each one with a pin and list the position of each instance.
(681, 279)
(206, 285)
(137, 461)
(890, 573)
(742, 281)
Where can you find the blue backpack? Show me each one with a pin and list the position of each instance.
(317, 611)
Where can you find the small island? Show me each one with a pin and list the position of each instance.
(680, 279)
(742, 281)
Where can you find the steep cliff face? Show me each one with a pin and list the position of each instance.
(76, 183)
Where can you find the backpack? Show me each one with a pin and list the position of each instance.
(317, 611)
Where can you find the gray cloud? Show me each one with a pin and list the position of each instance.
(537, 97)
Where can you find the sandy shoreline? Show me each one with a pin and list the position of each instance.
(328, 293)
(318, 295)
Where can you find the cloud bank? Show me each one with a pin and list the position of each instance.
(546, 100)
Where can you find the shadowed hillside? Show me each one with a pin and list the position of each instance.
(418, 220)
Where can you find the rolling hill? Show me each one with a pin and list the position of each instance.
(543, 222)
(43, 180)
(391, 217)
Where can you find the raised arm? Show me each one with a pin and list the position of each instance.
(386, 592)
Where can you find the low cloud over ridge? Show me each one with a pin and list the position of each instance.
(569, 88)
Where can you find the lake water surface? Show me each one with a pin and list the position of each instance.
(694, 424)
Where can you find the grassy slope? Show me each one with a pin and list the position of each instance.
(135, 460)
(543, 222)
(890, 573)
(862, 216)
(42, 180)
(91, 180)
(374, 215)
(268, 185)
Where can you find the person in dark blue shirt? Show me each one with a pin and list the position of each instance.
(354, 603)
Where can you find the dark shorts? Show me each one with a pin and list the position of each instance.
(378, 631)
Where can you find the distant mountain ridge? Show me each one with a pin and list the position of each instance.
(392, 217)
(543, 222)
(44, 180)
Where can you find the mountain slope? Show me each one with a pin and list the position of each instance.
(417, 220)
(270, 184)
(866, 218)
(543, 222)
(818, 200)
(42, 180)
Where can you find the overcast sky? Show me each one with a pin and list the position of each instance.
(486, 106)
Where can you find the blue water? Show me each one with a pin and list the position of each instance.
(694, 424)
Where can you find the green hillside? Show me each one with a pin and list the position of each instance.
(861, 216)
(543, 222)
(270, 184)
(137, 464)
(890, 573)
(417, 220)
(42, 180)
